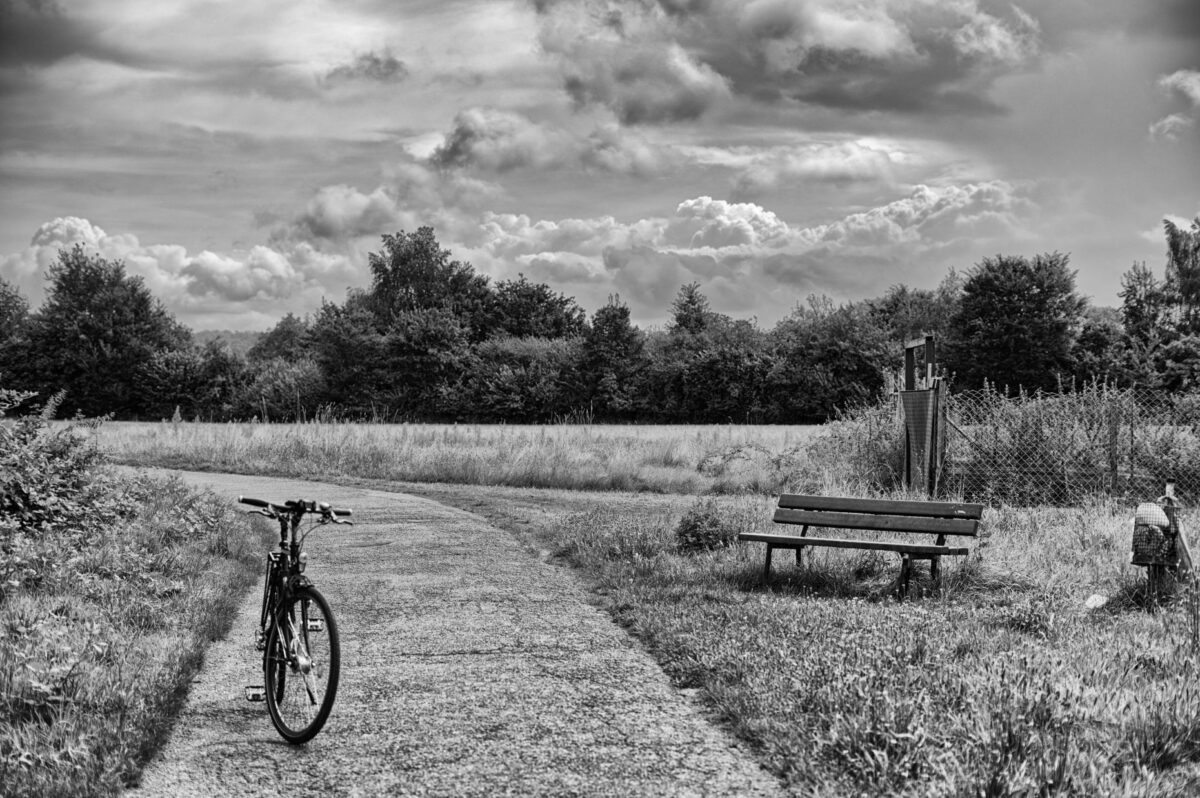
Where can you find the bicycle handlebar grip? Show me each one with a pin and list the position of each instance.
(341, 512)
(254, 502)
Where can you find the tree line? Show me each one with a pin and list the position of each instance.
(432, 339)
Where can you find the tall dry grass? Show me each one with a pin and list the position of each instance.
(668, 459)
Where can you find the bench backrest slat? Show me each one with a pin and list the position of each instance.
(887, 523)
(795, 501)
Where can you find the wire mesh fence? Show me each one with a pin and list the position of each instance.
(1065, 448)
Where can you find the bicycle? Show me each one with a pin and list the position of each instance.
(296, 631)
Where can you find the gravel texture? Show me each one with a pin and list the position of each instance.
(469, 667)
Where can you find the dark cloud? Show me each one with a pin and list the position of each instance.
(370, 67)
(651, 84)
(674, 60)
(39, 33)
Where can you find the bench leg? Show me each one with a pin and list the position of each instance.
(905, 573)
(767, 566)
(935, 572)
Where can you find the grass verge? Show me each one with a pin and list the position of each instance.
(102, 629)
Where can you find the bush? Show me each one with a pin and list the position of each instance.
(863, 448)
(110, 590)
(705, 527)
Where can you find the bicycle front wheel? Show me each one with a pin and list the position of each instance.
(302, 664)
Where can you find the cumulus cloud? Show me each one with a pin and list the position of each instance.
(992, 209)
(705, 223)
(500, 141)
(336, 218)
(339, 212)
(1183, 84)
(204, 283)
(370, 67)
(748, 256)
(655, 62)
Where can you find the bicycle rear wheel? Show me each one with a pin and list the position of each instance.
(302, 665)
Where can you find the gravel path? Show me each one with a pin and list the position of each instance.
(469, 667)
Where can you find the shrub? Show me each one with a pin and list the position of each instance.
(864, 447)
(110, 589)
(705, 527)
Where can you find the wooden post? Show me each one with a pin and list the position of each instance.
(905, 573)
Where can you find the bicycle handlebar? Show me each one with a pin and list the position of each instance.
(292, 506)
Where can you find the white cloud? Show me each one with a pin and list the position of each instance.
(1171, 128)
(251, 286)
(986, 37)
(760, 263)
(705, 223)
(1184, 83)
(840, 162)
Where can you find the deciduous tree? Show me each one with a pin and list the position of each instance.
(415, 273)
(1017, 324)
(288, 340)
(96, 329)
(534, 310)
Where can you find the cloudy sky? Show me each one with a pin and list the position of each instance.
(245, 157)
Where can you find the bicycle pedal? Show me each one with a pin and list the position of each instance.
(256, 693)
(260, 640)
(316, 625)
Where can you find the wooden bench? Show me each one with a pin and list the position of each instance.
(882, 515)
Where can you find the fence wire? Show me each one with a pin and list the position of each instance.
(1066, 448)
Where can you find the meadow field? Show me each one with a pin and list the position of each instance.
(657, 458)
(1038, 667)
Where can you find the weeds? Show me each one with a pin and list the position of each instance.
(705, 527)
(102, 615)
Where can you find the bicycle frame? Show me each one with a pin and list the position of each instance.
(285, 567)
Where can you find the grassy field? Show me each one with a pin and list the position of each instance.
(667, 459)
(1005, 682)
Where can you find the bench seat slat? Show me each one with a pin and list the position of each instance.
(884, 523)
(795, 501)
(795, 541)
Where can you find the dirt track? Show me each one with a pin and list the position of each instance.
(469, 667)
